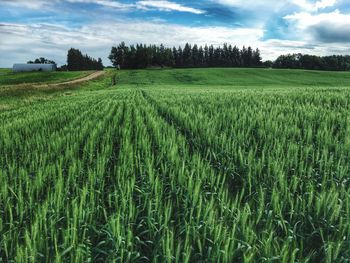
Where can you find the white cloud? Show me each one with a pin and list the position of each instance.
(105, 3)
(161, 5)
(312, 7)
(325, 3)
(272, 48)
(271, 5)
(33, 4)
(22, 42)
(167, 6)
(304, 20)
(171, 34)
(327, 31)
(39, 4)
(333, 27)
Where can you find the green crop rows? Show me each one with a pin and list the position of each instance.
(142, 173)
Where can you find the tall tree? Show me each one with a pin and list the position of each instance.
(201, 57)
(118, 55)
(77, 61)
(206, 56)
(187, 56)
(256, 60)
(195, 55)
(180, 61)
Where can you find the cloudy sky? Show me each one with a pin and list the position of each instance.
(35, 28)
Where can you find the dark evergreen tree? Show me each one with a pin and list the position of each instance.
(142, 56)
(99, 65)
(180, 61)
(187, 56)
(118, 55)
(300, 61)
(236, 57)
(195, 56)
(41, 61)
(256, 58)
(176, 57)
(225, 56)
(217, 57)
(201, 57)
(77, 61)
(206, 56)
(211, 61)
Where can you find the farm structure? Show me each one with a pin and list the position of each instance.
(33, 67)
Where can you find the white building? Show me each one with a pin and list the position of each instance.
(33, 67)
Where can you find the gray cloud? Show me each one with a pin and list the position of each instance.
(330, 33)
(333, 27)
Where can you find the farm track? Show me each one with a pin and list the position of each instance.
(92, 76)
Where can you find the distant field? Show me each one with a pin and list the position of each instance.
(4, 70)
(235, 77)
(7, 77)
(197, 165)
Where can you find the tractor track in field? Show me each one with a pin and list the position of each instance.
(89, 77)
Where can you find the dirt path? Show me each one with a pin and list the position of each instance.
(47, 86)
(76, 81)
(91, 76)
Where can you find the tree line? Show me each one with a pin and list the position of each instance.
(77, 61)
(41, 61)
(142, 56)
(300, 61)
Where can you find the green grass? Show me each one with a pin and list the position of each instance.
(13, 96)
(7, 77)
(236, 77)
(163, 169)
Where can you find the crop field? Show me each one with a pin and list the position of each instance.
(4, 71)
(7, 77)
(205, 165)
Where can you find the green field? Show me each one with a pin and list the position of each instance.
(7, 77)
(195, 165)
(4, 70)
(235, 78)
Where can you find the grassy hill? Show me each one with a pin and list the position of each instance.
(235, 77)
(196, 165)
(4, 70)
(7, 77)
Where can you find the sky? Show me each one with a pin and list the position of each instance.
(48, 28)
